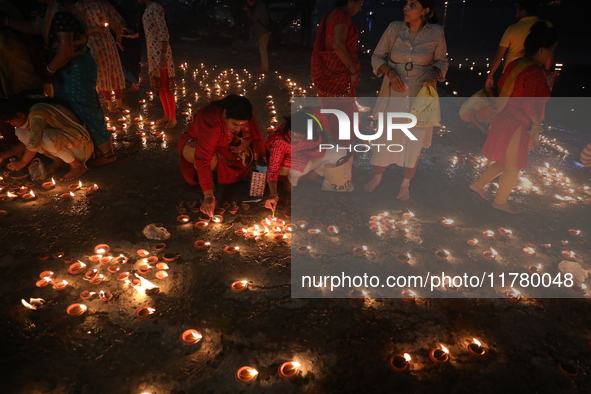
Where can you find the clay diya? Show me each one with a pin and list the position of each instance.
(123, 276)
(46, 274)
(574, 232)
(579, 290)
(403, 258)
(105, 260)
(61, 285)
(442, 254)
(97, 279)
(568, 369)
(332, 230)
(201, 245)
(75, 186)
(304, 249)
(144, 268)
(408, 295)
(58, 255)
(408, 215)
(191, 337)
(76, 268)
(472, 242)
(360, 251)
(302, 224)
(568, 254)
(400, 362)
(201, 225)
(145, 312)
(87, 294)
(43, 282)
(29, 196)
(3, 214)
(279, 238)
(48, 185)
(439, 355)
(239, 286)
(504, 231)
(488, 234)
(183, 219)
(447, 222)
(246, 374)
(105, 296)
(113, 269)
(160, 247)
(170, 256)
(162, 266)
(231, 249)
(513, 295)
(476, 348)
(289, 369)
(76, 309)
(529, 250)
(68, 259)
(102, 248)
(143, 253)
(490, 254)
(152, 259)
(43, 256)
(161, 275)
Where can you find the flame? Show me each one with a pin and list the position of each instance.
(477, 342)
(296, 364)
(80, 184)
(237, 248)
(253, 372)
(10, 194)
(363, 247)
(446, 252)
(144, 285)
(475, 241)
(32, 194)
(151, 310)
(412, 215)
(407, 357)
(72, 194)
(516, 292)
(494, 252)
(101, 294)
(445, 350)
(27, 305)
(195, 335)
(65, 282)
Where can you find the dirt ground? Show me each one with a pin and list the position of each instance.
(343, 345)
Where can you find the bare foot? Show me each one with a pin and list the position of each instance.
(507, 208)
(371, 185)
(403, 193)
(74, 173)
(479, 191)
(163, 120)
(54, 166)
(170, 124)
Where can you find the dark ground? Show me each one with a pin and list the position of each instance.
(342, 344)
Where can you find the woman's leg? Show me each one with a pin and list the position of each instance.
(509, 176)
(119, 100)
(376, 180)
(491, 173)
(163, 94)
(171, 103)
(409, 173)
(107, 96)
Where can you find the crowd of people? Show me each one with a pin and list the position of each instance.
(80, 58)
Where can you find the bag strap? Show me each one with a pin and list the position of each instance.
(344, 159)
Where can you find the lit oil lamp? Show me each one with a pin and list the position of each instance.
(447, 222)
(245, 206)
(332, 230)
(546, 246)
(400, 362)
(102, 248)
(449, 286)
(21, 191)
(145, 312)
(43, 282)
(95, 258)
(201, 225)
(162, 266)
(490, 254)
(399, 224)
(231, 249)
(529, 250)
(191, 337)
(58, 255)
(97, 279)
(579, 290)
(408, 295)
(472, 242)
(304, 249)
(68, 259)
(574, 232)
(76, 309)
(144, 268)
(46, 274)
(505, 231)
(408, 215)
(161, 275)
(217, 218)
(289, 370)
(183, 219)
(90, 274)
(87, 294)
(488, 234)
(476, 348)
(76, 268)
(239, 286)
(61, 285)
(513, 295)
(279, 238)
(49, 185)
(105, 260)
(152, 259)
(67, 196)
(439, 355)
(360, 251)
(568, 369)
(314, 231)
(402, 232)
(246, 374)
(143, 253)
(29, 196)
(403, 258)
(170, 256)
(113, 269)
(75, 186)
(568, 254)
(535, 269)
(442, 254)
(302, 224)
(564, 242)
(105, 296)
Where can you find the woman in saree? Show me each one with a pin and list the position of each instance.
(73, 68)
(518, 115)
(47, 128)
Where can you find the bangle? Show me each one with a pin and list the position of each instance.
(50, 70)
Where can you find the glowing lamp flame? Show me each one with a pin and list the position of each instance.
(65, 282)
(53, 181)
(407, 357)
(100, 251)
(516, 292)
(445, 350)
(10, 194)
(80, 184)
(364, 247)
(72, 194)
(253, 372)
(27, 305)
(477, 342)
(296, 364)
(32, 194)
(494, 252)
(195, 336)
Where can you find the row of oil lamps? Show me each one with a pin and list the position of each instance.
(26, 191)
